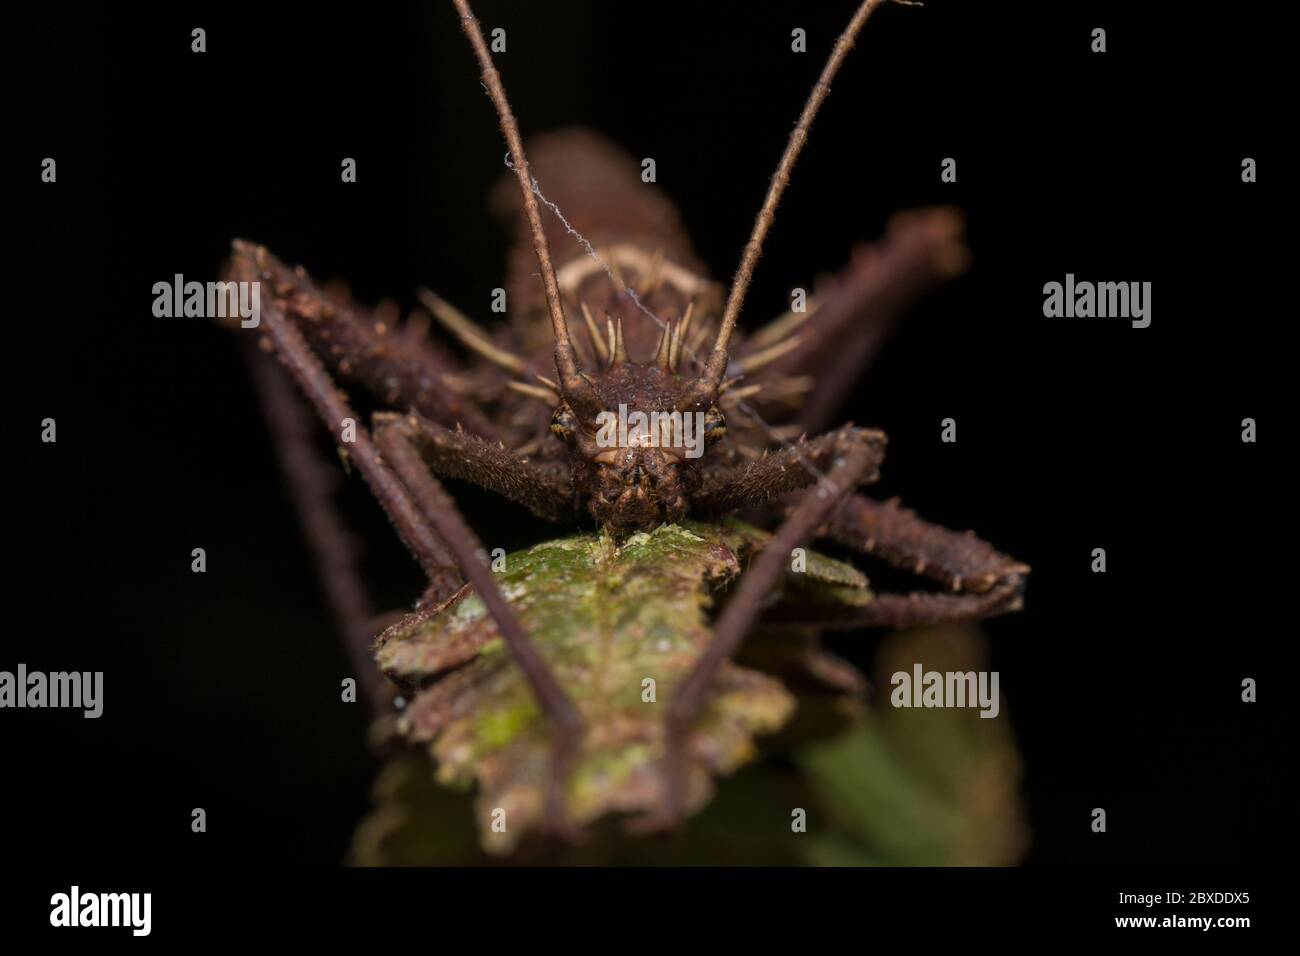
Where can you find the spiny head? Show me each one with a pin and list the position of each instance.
(637, 436)
(578, 391)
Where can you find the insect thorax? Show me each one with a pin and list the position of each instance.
(644, 317)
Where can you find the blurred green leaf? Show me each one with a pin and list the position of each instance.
(608, 617)
(878, 785)
(932, 786)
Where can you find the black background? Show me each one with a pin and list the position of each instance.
(221, 689)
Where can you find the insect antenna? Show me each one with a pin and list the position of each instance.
(706, 389)
(578, 391)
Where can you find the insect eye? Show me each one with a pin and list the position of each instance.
(563, 422)
(715, 424)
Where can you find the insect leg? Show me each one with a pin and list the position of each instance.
(577, 389)
(860, 458)
(854, 316)
(983, 582)
(314, 482)
(760, 482)
(401, 369)
(544, 490)
(715, 369)
(333, 409)
(400, 443)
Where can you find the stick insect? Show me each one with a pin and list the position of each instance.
(624, 319)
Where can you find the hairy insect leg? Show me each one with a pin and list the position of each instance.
(399, 368)
(983, 582)
(401, 442)
(545, 490)
(577, 390)
(314, 483)
(760, 482)
(435, 532)
(853, 317)
(706, 390)
(860, 456)
(306, 369)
